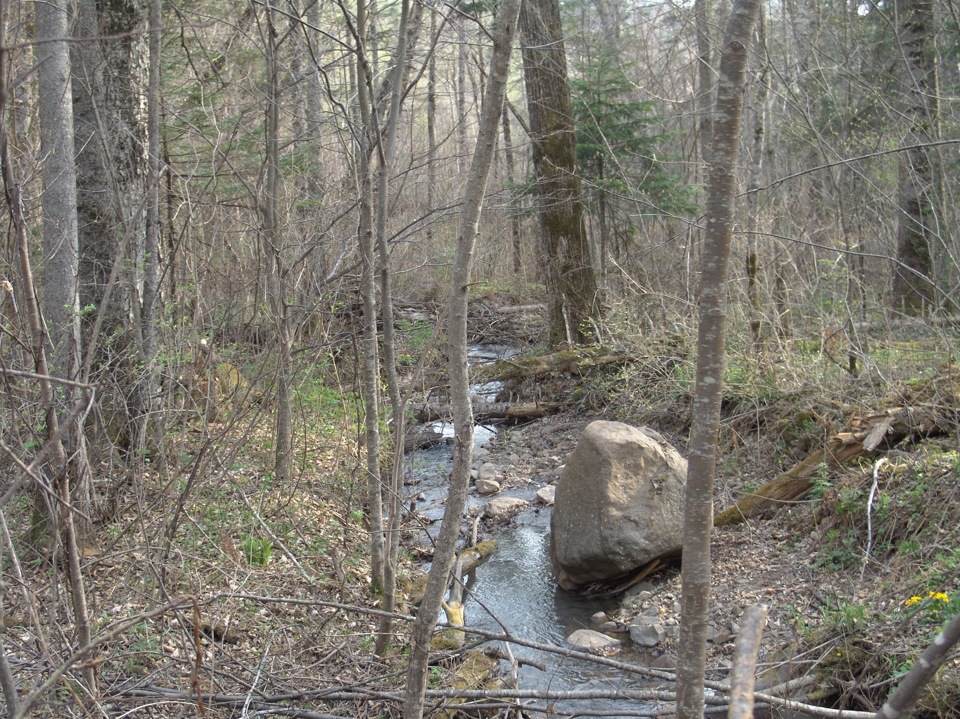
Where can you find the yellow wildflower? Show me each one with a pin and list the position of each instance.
(940, 597)
(911, 601)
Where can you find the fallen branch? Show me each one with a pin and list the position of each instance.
(862, 437)
(746, 650)
(901, 701)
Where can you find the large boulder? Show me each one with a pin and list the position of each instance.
(619, 505)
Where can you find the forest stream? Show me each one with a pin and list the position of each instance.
(515, 590)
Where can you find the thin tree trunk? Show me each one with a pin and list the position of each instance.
(753, 199)
(432, 128)
(148, 441)
(459, 375)
(698, 511)
(279, 305)
(368, 293)
(51, 25)
(388, 151)
(703, 18)
(461, 95)
(516, 234)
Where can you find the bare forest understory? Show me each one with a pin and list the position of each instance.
(216, 590)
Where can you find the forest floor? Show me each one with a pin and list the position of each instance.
(212, 576)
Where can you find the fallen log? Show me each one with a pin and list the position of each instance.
(494, 412)
(470, 558)
(572, 361)
(862, 437)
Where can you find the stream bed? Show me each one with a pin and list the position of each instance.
(514, 591)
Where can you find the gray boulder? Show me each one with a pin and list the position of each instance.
(647, 635)
(546, 495)
(618, 506)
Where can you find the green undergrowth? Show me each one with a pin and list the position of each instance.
(889, 533)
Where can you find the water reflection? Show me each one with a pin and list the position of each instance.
(517, 588)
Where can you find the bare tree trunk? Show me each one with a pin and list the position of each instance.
(571, 283)
(459, 24)
(698, 512)
(368, 293)
(432, 128)
(516, 235)
(457, 350)
(388, 146)
(913, 285)
(753, 200)
(272, 242)
(149, 440)
(703, 18)
(108, 87)
(54, 87)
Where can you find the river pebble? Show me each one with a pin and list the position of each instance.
(502, 505)
(593, 641)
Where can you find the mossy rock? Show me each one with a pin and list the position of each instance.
(474, 672)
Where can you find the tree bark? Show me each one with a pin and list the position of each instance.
(574, 303)
(457, 352)
(149, 435)
(108, 86)
(913, 284)
(753, 201)
(703, 19)
(388, 146)
(51, 26)
(61, 304)
(516, 235)
(273, 245)
(698, 511)
(368, 293)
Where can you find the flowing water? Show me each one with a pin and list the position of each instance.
(514, 592)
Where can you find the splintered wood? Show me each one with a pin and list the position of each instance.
(926, 408)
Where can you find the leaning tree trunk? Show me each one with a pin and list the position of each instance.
(574, 303)
(698, 511)
(913, 285)
(459, 376)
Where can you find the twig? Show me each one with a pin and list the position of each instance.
(198, 658)
(256, 677)
(7, 683)
(80, 653)
(873, 490)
